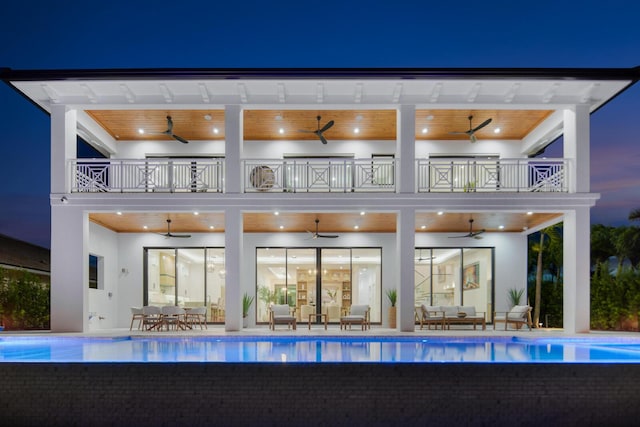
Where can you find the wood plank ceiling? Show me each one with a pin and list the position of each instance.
(266, 125)
(334, 222)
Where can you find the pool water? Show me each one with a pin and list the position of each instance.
(319, 350)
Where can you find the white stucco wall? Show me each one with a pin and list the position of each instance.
(104, 308)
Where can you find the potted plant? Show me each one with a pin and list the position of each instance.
(247, 300)
(392, 294)
(514, 296)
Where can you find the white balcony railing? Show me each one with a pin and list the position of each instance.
(147, 175)
(320, 175)
(317, 175)
(474, 175)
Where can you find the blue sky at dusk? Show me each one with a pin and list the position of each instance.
(418, 34)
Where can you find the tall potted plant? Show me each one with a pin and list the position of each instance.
(392, 294)
(514, 296)
(247, 300)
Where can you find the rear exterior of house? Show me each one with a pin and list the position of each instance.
(318, 188)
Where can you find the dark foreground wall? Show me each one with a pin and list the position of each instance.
(319, 394)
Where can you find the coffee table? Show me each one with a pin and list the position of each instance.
(321, 316)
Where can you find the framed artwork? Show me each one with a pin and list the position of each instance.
(471, 276)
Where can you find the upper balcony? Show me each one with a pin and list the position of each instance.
(322, 175)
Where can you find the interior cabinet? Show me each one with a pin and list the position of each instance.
(346, 295)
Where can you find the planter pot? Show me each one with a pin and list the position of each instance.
(245, 322)
(392, 317)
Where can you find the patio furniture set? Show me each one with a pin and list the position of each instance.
(284, 314)
(169, 317)
(445, 316)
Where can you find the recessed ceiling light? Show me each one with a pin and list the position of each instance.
(211, 227)
(282, 227)
(281, 131)
(425, 130)
(216, 131)
(356, 130)
(276, 213)
(362, 213)
(207, 117)
(422, 227)
(145, 227)
(529, 213)
(501, 227)
(440, 213)
(118, 213)
(196, 213)
(525, 228)
(497, 130)
(140, 131)
(355, 227)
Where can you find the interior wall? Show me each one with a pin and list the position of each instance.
(141, 149)
(505, 149)
(275, 149)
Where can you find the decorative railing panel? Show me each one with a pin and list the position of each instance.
(474, 175)
(319, 175)
(147, 175)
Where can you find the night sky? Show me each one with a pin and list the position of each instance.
(59, 34)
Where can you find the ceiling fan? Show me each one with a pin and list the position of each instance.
(317, 235)
(471, 132)
(471, 233)
(169, 132)
(421, 258)
(319, 132)
(169, 234)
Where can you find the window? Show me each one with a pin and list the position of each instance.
(96, 279)
(454, 276)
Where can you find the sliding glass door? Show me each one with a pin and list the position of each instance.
(454, 276)
(188, 277)
(318, 280)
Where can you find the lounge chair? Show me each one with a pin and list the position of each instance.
(519, 315)
(196, 316)
(358, 313)
(151, 317)
(431, 316)
(281, 313)
(136, 314)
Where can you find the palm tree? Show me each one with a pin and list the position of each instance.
(553, 235)
(634, 215)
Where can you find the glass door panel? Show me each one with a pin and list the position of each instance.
(161, 277)
(271, 276)
(336, 295)
(301, 281)
(190, 277)
(366, 281)
(215, 284)
(477, 279)
(445, 273)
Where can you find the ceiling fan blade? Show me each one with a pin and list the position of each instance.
(472, 138)
(481, 125)
(326, 127)
(179, 138)
(169, 125)
(180, 236)
(328, 236)
(322, 138)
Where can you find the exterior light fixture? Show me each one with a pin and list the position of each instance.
(64, 199)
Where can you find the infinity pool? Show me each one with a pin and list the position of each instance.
(319, 350)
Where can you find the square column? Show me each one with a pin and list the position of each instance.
(63, 146)
(233, 149)
(576, 271)
(69, 268)
(405, 249)
(233, 247)
(577, 148)
(406, 136)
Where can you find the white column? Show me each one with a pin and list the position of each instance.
(576, 271)
(63, 146)
(233, 149)
(406, 135)
(233, 248)
(577, 147)
(405, 249)
(69, 268)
